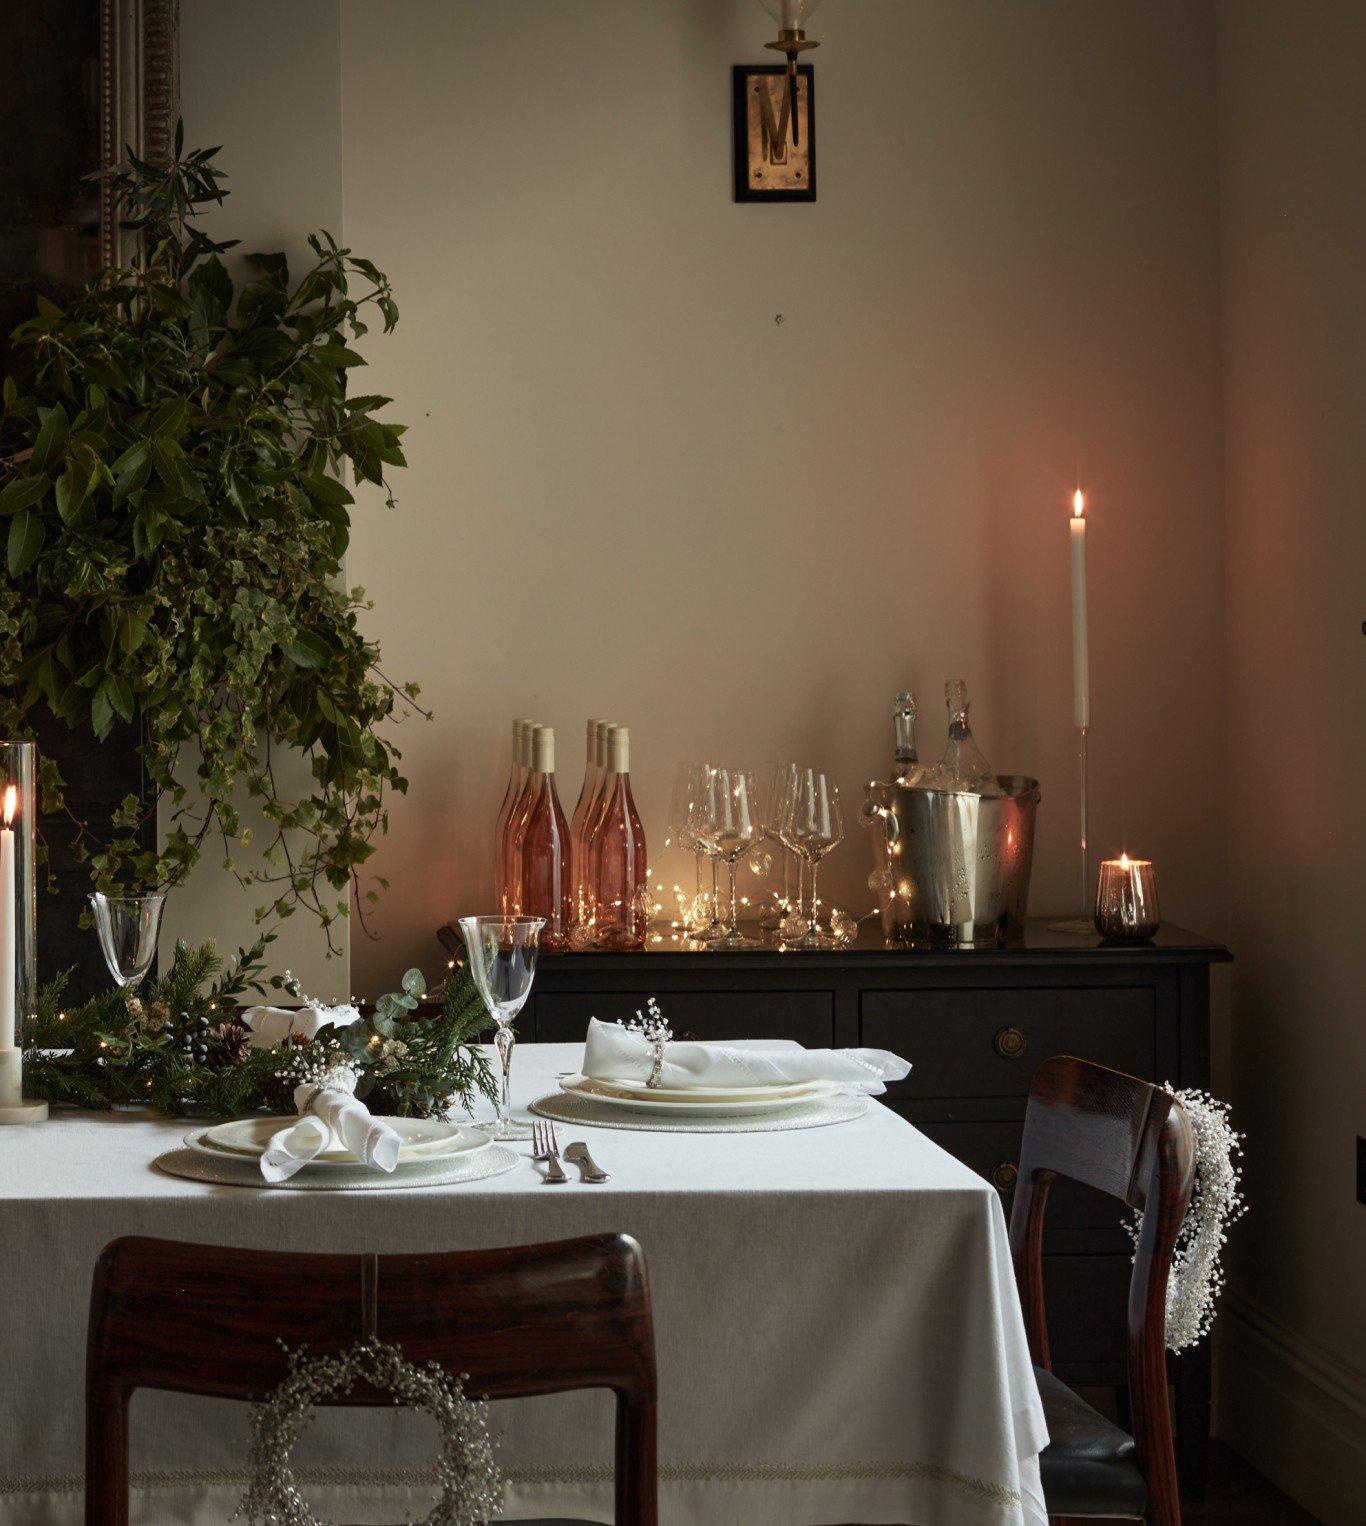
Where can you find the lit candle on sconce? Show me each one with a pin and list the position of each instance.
(1126, 900)
(1081, 662)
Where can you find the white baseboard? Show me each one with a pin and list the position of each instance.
(1295, 1410)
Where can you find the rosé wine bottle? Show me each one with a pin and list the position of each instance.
(593, 773)
(511, 904)
(502, 889)
(544, 849)
(618, 865)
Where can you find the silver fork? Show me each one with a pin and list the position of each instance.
(547, 1148)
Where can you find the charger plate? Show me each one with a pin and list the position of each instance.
(680, 1105)
(197, 1164)
(578, 1107)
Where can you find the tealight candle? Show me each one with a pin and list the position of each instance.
(1126, 900)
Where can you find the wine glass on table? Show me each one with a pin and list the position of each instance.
(681, 825)
(731, 827)
(812, 825)
(502, 954)
(128, 927)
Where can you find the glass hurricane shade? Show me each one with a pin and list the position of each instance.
(791, 15)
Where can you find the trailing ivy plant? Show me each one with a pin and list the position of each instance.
(173, 517)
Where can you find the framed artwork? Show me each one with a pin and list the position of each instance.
(772, 161)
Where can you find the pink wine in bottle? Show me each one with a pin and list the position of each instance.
(511, 904)
(516, 779)
(617, 858)
(545, 852)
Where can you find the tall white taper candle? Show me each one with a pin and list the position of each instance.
(9, 965)
(1081, 671)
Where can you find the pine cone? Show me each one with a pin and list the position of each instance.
(227, 1044)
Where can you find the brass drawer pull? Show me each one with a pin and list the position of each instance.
(1009, 1043)
(1004, 1175)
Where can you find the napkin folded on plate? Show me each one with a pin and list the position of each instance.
(327, 1115)
(269, 1026)
(614, 1053)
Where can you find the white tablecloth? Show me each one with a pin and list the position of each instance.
(838, 1334)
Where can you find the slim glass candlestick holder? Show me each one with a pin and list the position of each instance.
(18, 926)
(1085, 923)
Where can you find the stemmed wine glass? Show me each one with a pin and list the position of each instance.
(812, 826)
(503, 963)
(128, 927)
(702, 787)
(779, 784)
(729, 829)
(682, 826)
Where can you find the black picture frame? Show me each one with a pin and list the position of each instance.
(741, 75)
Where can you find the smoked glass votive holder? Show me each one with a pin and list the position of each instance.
(1126, 900)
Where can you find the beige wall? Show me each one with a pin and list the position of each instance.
(1293, 180)
(264, 80)
(635, 494)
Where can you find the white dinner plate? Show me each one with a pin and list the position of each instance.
(760, 1092)
(420, 1139)
(581, 1086)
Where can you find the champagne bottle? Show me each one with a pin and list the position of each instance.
(962, 769)
(544, 850)
(618, 862)
(501, 836)
(906, 766)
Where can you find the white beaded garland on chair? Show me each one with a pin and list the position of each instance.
(471, 1484)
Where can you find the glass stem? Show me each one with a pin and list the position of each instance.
(814, 925)
(787, 880)
(505, 1040)
(714, 919)
(734, 920)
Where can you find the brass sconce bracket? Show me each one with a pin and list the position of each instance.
(772, 163)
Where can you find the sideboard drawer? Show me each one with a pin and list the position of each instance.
(987, 1042)
(807, 1016)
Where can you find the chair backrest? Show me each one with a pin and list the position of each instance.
(528, 1319)
(1132, 1140)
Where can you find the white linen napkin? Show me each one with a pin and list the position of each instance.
(270, 1026)
(328, 1113)
(614, 1053)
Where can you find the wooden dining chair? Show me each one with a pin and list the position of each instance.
(530, 1319)
(1131, 1140)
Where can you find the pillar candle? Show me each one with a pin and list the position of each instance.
(1081, 673)
(8, 923)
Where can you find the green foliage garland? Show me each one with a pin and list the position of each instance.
(172, 526)
(181, 1047)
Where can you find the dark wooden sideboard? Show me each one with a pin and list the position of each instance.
(974, 1022)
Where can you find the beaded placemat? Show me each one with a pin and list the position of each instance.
(571, 1107)
(199, 1167)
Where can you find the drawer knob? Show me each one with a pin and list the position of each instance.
(1009, 1043)
(1004, 1175)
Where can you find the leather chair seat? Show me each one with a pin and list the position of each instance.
(1090, 1466)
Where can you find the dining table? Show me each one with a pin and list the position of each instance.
(837, 1328)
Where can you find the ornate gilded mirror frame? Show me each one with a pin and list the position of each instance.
(139, 92)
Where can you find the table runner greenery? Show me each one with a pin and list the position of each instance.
(180, 1045)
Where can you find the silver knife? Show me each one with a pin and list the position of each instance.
(591, 1171)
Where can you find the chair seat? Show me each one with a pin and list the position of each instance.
(1090, 1466)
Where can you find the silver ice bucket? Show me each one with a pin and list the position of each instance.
(952, 868)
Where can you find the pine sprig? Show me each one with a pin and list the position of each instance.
(180, 1046)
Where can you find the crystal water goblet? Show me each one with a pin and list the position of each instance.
(813, 825)
(502, 954)
(128, 927)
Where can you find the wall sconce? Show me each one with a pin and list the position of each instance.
(792, 16)
(774, 114)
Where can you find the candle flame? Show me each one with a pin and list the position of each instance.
(1078, 504)
(1124, 861)
(11, 803)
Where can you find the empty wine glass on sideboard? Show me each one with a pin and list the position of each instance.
(502, 954)
(731, 827)
(813, 825)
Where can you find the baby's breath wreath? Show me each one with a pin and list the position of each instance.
(471, 1485)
